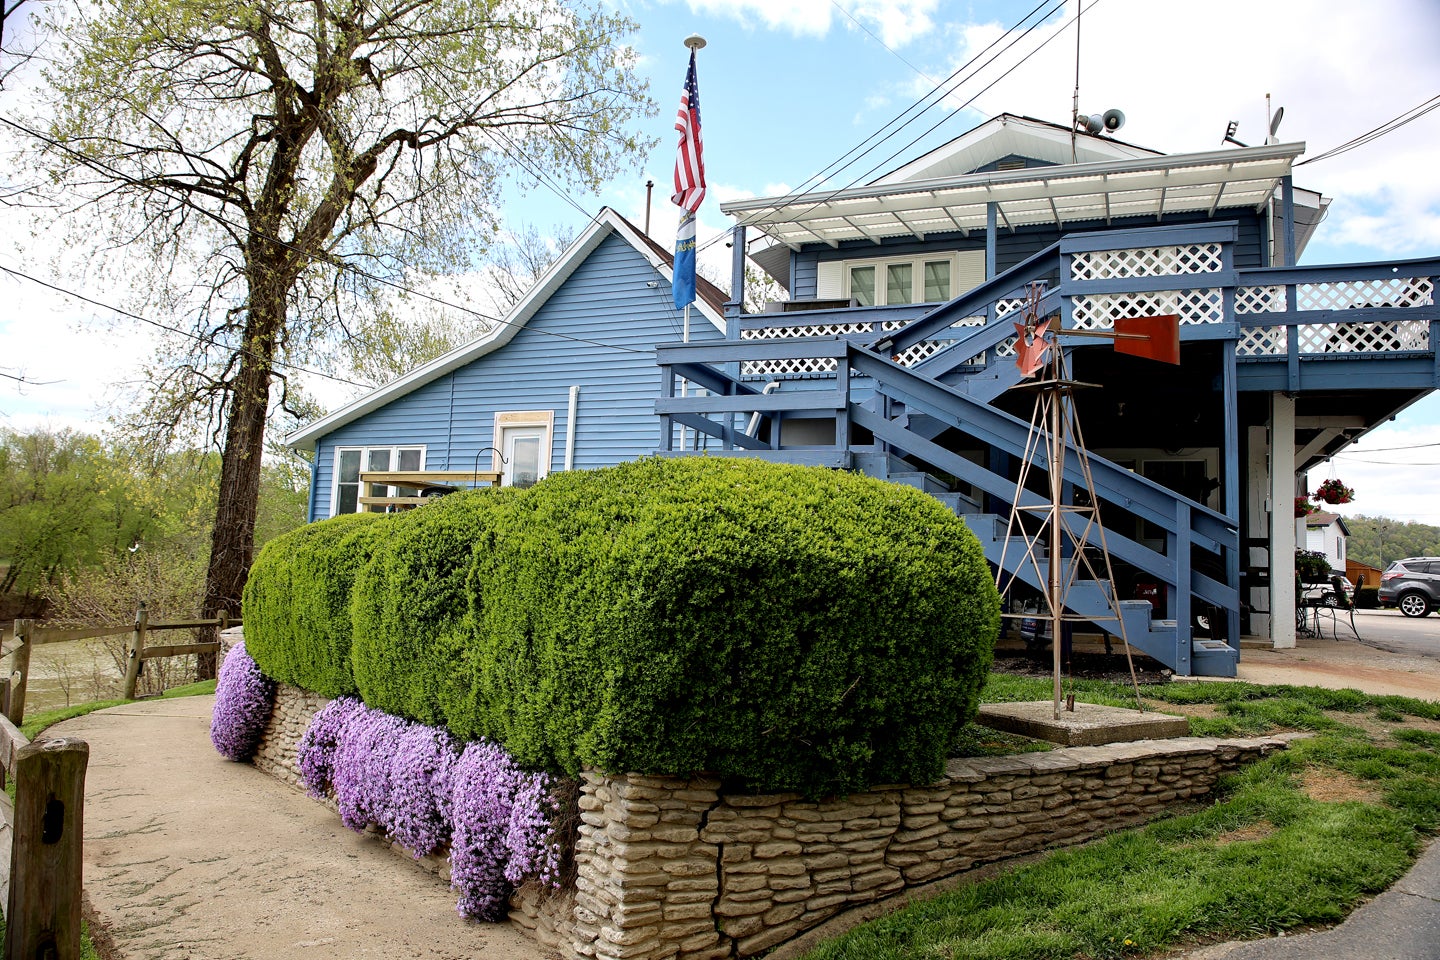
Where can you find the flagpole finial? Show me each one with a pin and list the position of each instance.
(695, 41)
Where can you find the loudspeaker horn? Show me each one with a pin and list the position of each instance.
(1113, 120)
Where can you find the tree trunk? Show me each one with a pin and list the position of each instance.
(232, 543)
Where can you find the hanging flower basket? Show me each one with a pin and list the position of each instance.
(1333, 491)
(1303, 507)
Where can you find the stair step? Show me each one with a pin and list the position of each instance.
(921, 480)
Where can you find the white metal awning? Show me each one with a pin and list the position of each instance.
(1104, 191)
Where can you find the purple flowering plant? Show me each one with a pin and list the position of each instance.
(415, 783)
(243, 700)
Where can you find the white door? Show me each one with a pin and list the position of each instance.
(527, 457)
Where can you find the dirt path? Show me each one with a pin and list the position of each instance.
(191, 857)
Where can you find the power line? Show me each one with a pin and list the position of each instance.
(1375, 133)
(795, 195)
(27, 380)
(177, 330)
(340, 265)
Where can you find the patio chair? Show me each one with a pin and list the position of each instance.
(1339, 607)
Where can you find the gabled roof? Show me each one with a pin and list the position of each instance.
(1009, 135)
(1324, 519)
(709, 303)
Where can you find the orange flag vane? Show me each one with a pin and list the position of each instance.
(1031, 346)
(1030, 342)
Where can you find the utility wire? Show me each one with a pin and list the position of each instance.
(27, 380)
(1389, 126)
(167, 327)
(795, 195)
(341, 265)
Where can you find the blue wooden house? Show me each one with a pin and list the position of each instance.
(894, 354)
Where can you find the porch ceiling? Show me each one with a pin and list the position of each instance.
(1153, 186)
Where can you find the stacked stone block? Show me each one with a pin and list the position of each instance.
(672, 867)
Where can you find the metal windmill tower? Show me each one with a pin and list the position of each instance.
(1062, 535)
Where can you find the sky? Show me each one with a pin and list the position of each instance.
(788, 87)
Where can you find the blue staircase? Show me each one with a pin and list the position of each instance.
(915, 404)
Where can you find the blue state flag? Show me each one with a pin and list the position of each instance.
(683, 282)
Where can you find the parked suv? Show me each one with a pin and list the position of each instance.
(1412, 584)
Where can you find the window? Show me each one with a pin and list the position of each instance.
(351, 461)
(524, 439)
(889, 281)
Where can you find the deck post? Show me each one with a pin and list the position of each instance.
(1282, 520)
(1287, 207)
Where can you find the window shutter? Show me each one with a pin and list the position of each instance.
(970, 271)
(829, 283)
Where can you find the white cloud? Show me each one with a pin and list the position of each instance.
(896, 22)
(1181, 72)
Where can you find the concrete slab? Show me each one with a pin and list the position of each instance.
(1089, 725)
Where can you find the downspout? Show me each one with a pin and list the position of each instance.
(754, 424)
(570, 430)
(315, 483)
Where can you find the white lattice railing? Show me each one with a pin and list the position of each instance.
(1181, 260)
(1099, 311)
(1338, 336)
(1194, 305)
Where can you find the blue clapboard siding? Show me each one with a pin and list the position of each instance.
(598, 331)
(1012, 247)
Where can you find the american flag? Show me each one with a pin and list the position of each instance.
(689, 163)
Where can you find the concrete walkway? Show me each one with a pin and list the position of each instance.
(191, 857)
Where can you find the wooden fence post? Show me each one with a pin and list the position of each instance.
(20, 663)
(44, 901)
(137, 646)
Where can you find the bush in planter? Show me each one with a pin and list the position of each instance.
(297, 601)
(788, 628)
(410, 608)
(1312, 566)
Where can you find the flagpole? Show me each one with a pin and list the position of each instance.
(694, 179)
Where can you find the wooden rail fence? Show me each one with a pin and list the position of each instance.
(26, 635)
(41, 832)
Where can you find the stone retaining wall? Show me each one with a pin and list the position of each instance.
(675, 868)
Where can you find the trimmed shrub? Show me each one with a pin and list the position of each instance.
(788, 628)
(410, 606)
(297, 601)
(1367, 598)
(243, 700)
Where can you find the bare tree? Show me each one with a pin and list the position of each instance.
(278, 163)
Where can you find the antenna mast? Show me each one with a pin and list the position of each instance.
(1075, 103)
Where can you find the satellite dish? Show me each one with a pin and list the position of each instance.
(1114, 120)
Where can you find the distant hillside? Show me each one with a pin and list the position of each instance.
(1379, 541)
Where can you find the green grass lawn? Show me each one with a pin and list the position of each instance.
(1297, 839)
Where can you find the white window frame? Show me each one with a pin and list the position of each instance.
(539, 422)
(965, 266)
(394, 450)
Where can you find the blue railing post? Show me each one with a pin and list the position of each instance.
(1178, 545)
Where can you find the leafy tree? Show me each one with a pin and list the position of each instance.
(279, 163)
(1370, 537)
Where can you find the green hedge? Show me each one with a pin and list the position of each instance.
(786, 627)
(297, 602)
(411, 607)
